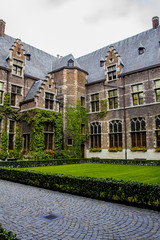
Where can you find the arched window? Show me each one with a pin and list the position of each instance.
(138, 132)
(95, 134)
(157, 119)
(115, 133)
(70, 63)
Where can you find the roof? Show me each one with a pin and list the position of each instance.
(128, 52)
(41, 63)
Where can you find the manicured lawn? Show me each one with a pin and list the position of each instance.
(145, 174)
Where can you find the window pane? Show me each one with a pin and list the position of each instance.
(158, 122)
(157, 84)
(140, 87)
(110, 128)
(19, 90)
(13, 89)
(158, 95)
(133, 139)
(120, 140)
(119, 127)
(134, 88)
(11, 126)
(135, 99)
(82, 101)
(158, 138)
(111, 140)
(13, 99)
(138, 139)
(143, 139)
(137, 126)
(97, 106)
(1, 86)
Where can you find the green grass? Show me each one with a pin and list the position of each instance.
(143, 174)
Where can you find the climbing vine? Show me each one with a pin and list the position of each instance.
(77, 127)
(103, 111)
(37, 118)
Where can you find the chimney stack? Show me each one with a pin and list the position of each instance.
(2, 28)
(155, 22)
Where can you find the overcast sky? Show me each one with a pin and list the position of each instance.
(76, 26)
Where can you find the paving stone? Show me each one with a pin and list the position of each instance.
(23, 206)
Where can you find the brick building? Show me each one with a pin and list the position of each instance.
(126, 74)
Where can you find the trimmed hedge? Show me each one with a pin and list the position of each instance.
(144, 195)
(24, 164)
(5, 235)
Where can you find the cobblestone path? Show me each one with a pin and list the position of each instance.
(22, 209)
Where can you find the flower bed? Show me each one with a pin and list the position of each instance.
(115, 149)
(138, 149)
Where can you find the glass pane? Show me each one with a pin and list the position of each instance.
(158, 95)
(95, 129)
(13, 99)
(19, 90)
(158, 138)
(11, 126)
(97, 106)
(46, 127)
(50, 141)
(138, 140)
(110, 93)
(120, 140)
(46, 103)
(92, 97)
(82, 101)
(157, 84)
(158, 123)
(50, 127)
(99, 128)
(110, 128)
(97, 96)
(135, 99)
(143, 139)
(143, 125)
(133, 126)
(119, 127)
(47, 95)
(93, 106)
(115, 127)
(133, 140)
(91, 141)
(137, 126)
(134, 88)
(99, 141)
(111, 103)
(1, 86)
(111, 140)
(91, 129)
(116, 103)
(140, 87)
(51, 96)
(115, 93)
(13, 89)
(140, 98)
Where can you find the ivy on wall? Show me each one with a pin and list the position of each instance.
(37, 118)
(76, 116)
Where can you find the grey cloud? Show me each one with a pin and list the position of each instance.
(122, 8)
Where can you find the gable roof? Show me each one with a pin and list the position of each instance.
(128, 51)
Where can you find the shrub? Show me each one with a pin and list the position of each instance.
(105, 189)
(5, 235)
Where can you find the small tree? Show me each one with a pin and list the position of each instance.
(76, 116)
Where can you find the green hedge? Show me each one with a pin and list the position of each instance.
(5, 235)
(32, 163)
(135, 193)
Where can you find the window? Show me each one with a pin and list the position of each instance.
(11, 134)
(17, 67)
(48, 135)
(15, 90)
(113, 99)
(26, 141)
(69, 142)
(158, 131)
(95, 134)
(49, 100)
(157, 90)
(82, 101)
(137, 94)
(95, 102)
(138, 132)
(115, 133)
(1, 92)
(70, 63)
(112, 73)
(28, 56)
(0, 129)
(83, 129)
(141, 50)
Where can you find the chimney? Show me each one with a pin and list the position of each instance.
(155, 22)
(2, 28)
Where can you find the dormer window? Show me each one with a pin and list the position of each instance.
(112, 73)
(70, 63)
(102, 61)
(17, 67)
(28, 56)
(141, 50)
